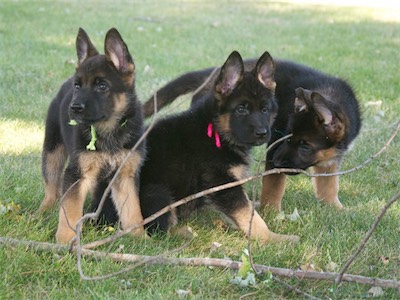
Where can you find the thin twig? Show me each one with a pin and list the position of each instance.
(278, 141)
(253, 202)
(294, 289)
(367, 236)
(208, 79)
(207, 262)
(147, 260)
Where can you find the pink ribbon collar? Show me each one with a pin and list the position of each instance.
(211, 132)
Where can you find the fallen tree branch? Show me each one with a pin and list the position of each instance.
(205, 262)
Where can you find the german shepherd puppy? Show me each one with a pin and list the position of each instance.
(101, 100)
(321, 111)
(208, 145)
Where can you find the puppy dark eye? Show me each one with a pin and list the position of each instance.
(102, 86)
(264, 109)
(242, 110)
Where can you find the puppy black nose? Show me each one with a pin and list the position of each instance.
(261, 133)
(77, 107)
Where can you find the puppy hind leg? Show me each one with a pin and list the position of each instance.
(259, 229)
(53, 163)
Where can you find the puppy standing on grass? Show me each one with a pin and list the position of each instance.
(209, 145)
(93, 122)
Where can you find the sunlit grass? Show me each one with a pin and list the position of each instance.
(20, 137)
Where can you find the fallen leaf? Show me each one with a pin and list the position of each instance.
(10, 207)
(307, 267)
(377, 103)
(109, 229)
(146, 69)
(281, 216)
(375, 291)
(219, 224)
(120, 248)
(331, 266)
(183, 293)
(245, 268)
(126, 283)
(215, 246)
(384, 259)
(294, 216)
(185, 232)
(250, 280)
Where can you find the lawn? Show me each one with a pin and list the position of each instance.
(167, 38)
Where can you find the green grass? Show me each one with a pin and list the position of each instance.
(37, 53)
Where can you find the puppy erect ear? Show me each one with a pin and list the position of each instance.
(329, 115)
(302, 101)
(306, 100)
(117, 52)
(84, 47)
(326, 111)
(265, 69)
(230, 75)
(320, 105)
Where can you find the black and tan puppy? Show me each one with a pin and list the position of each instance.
(209, 145)
(92, 124)
(324, 123)
(321, 111)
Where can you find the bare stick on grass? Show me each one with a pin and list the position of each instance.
(205, 262)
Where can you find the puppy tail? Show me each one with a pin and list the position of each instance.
(181, 85)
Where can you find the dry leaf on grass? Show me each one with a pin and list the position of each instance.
(375, 291)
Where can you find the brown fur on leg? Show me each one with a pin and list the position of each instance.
(53, 164)
(259, 230)
(273, 189)
(327, 188)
